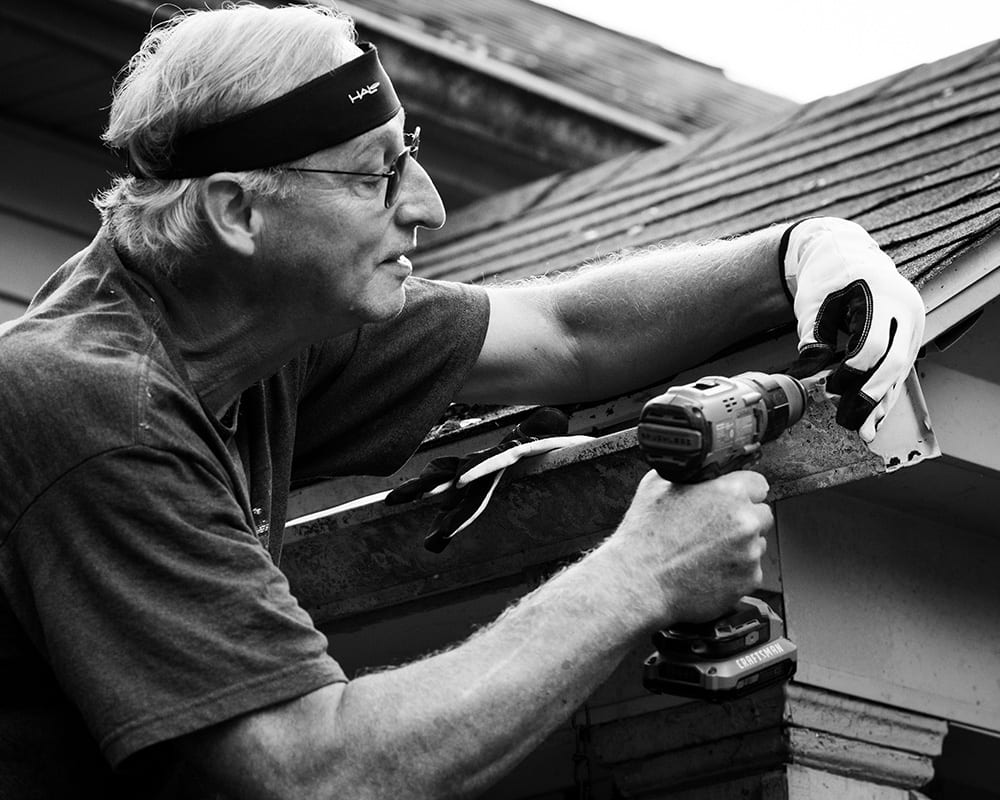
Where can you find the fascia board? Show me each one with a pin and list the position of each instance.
(370, 557)
(513, 76)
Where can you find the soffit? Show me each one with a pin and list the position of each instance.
(58, 64)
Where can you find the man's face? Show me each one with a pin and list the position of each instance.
(336, 241)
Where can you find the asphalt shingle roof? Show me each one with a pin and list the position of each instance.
(915, 158)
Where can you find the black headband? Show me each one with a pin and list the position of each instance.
(353, 99)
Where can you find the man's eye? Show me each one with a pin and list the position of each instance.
(367, 185)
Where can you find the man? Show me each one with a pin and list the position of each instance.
(245, 319)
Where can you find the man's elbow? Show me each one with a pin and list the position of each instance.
(293, 749)
(321, 745)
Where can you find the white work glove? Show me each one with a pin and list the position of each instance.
(839, 280)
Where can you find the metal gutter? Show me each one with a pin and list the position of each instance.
(967, 285)
(371, 557)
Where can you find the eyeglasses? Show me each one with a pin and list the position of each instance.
(393, 178)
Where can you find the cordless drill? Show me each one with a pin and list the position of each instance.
(694, 433)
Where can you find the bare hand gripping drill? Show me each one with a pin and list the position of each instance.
(694, 433)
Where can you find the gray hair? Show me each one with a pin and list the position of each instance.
(199, 67)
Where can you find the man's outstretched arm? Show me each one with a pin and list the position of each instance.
(628, 322)
(644, 317)
(451, 724)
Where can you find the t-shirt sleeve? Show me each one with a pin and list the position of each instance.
(370, 399)
(157, 608)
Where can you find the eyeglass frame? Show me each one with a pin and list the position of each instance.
(396, 168)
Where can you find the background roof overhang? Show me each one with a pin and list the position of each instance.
(507, 91)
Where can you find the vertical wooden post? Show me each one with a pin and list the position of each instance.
(787, 743)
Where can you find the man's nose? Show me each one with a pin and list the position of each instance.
(419, 202)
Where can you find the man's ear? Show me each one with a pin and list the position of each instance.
(230, 213)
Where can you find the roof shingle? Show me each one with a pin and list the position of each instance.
(914, 157)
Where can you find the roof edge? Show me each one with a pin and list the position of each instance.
(968, 283)
(514, 76)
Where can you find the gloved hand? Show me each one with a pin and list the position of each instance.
(466, 483)
(839, 280)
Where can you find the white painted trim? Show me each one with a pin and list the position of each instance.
(966, 286)
(964, 411)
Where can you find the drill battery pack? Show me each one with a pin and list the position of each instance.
(726, 658)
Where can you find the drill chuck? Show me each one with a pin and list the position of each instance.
(705, 429)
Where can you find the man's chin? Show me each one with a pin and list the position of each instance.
(389, 306)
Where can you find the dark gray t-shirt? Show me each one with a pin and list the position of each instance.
(139, 534)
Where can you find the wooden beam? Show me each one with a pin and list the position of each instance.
(775, 742)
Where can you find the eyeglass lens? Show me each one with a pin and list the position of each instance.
(398, 168)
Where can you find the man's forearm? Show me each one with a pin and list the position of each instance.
(627, 323)
(650, 315)
(470, 714)
(450, 724)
